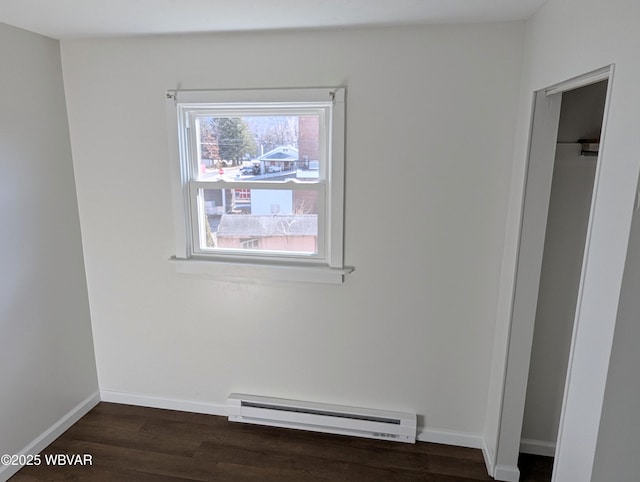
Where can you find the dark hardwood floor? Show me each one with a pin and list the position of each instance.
(534, 468)
(128, 443)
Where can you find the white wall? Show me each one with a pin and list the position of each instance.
(616, 455)
(567, 38)
(46, 350)
(582, 111)
(569, 207)
(430, 128)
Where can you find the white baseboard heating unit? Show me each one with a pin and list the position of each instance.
(319, 417)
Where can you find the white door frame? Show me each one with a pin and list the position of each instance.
(576, 439)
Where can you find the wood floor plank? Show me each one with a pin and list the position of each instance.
(140, 444)
(295, 466)
(179, 443)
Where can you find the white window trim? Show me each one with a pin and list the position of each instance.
(329, 269)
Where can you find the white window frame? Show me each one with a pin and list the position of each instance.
(325, 266)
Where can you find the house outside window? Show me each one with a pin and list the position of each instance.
(259, 177)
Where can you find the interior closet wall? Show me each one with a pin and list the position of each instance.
(571, 191)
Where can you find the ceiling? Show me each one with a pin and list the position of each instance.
(105, 18)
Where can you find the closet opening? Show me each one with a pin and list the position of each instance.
(573, 176)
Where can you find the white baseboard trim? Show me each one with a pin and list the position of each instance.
(459, 439)
(52, 433)
(488, 458)
(507, 473)
(161, 402)
(449, 437)
(537, 447)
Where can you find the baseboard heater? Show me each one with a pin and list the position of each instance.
(320, 417)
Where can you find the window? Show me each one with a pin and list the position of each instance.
(259, 181)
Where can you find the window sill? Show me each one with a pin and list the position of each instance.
(239, 271)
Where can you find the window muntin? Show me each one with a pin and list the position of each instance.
(289, 169)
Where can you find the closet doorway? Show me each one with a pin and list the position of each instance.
(574, 169)
(560, 192)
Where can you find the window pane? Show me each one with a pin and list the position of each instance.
(258, 147)
(261, 220)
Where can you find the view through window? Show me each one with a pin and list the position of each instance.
(272, 165)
